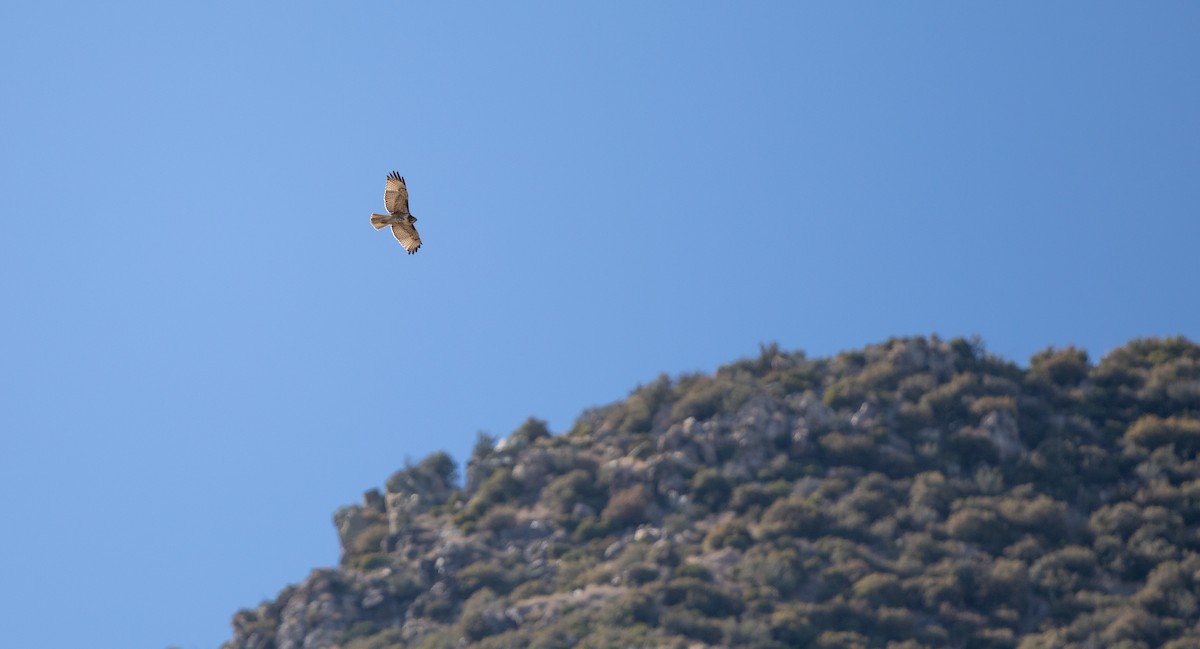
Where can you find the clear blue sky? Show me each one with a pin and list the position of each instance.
(207, 349)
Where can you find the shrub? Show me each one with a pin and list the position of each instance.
(971, 447)
(703, 397)
(483, 575)
(499, 519)
(842, 640)
(878, 588)
(754, 495)
(530, 431)
(931, 490)
(781, 569)
(576, 487)
(433, 477)
(501, 486)
(795, 517)
(1171, 589)
(385, 639)
(984, 405)
(845, 393)
(1065, 570)
(483, 616)
(1004, 584)
(594, 528)
(975, 526)
(947, 402)
(691, 624)
(693, 571)
(840, 448)
(371, 561)
(1040, 515)
(1120, 519)
(1152, 431)
(403, 586)
(792, 626)
(370, 540)
(636, 607)
(1064, 367)
(360, 629)
(640, 573)
(730, 534)
(627, 507)
(636, 414)
(711, 489)
(664, 554)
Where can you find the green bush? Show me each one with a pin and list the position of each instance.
(594, 528)
(757, 496)
(483, 616)
(983, 406)
(500, 487)
(701, 596)
(704, 397)
(781, 569)
(1065, 570)
(499, 519)
(530, 431)
(730, 534)
(482, 575)
(641, 573)
(791, 625)
(634, 607)
(1152, 431)
(691, 624)
(433, 477)
(576, 487)
(371, 561)
(846, 393)
(360, 629)
(1065, 367)
(878, 589)
(795, 517)
(982, 526)
(711, 489)
(403, 586)
(371, 539)
(694, 571)
(636, 415)
(385, 639)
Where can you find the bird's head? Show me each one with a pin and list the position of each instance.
(412, 219)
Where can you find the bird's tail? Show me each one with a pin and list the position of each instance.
(380, 221)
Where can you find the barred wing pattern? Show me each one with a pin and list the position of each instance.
(407, 235)
(395, 195)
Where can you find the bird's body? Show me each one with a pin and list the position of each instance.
(395, 201)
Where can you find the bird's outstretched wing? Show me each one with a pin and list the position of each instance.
(406, 234)
(395, 194)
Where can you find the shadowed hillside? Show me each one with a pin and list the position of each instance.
(917, 493)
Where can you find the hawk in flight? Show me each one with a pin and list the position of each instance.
(395, 201)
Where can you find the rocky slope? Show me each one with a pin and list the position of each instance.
(917, 493)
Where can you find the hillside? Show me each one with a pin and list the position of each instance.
(916, 493)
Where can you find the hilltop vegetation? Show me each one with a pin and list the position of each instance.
(917, 493)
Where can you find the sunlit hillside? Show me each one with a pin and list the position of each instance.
(916, 493)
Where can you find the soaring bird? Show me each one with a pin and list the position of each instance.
(395, 201)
